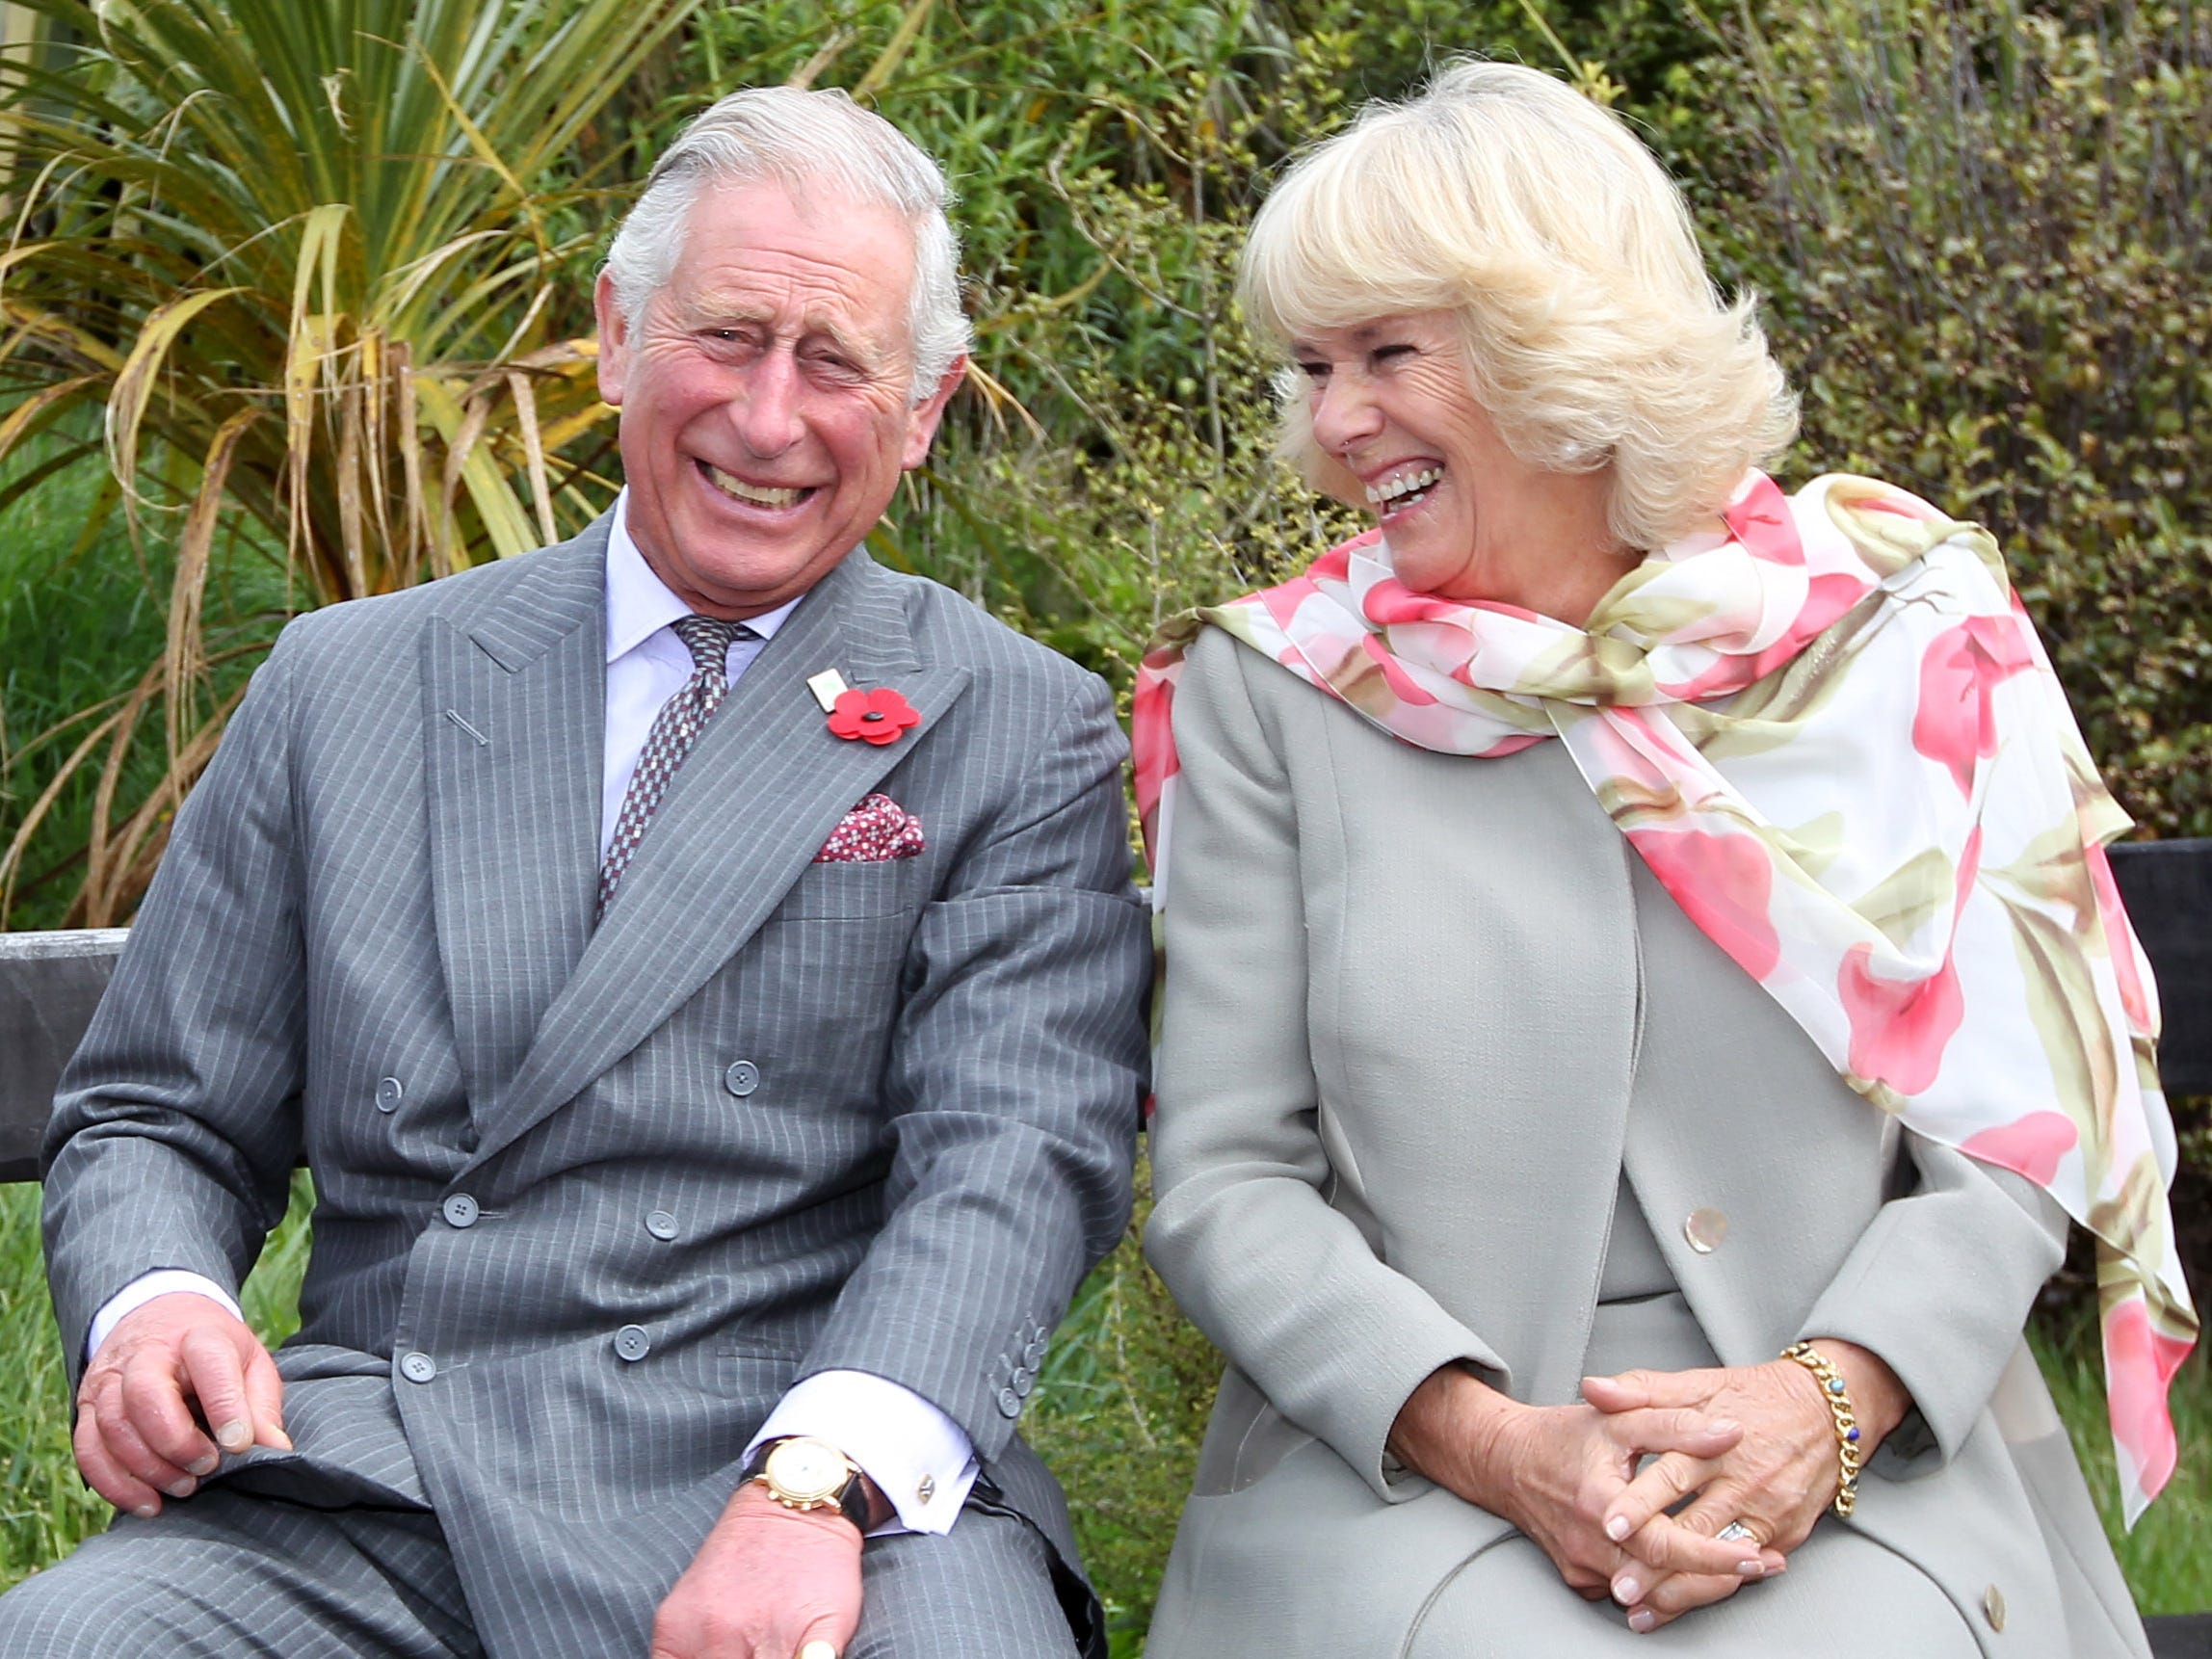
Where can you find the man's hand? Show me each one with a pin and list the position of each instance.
(176, 1382)
(767, 1581)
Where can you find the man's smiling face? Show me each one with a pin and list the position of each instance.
(764, 393)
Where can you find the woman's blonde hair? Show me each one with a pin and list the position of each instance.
(1592, 332)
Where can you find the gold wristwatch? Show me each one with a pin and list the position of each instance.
(804, 1473)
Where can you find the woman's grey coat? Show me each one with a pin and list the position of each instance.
(1410, 999)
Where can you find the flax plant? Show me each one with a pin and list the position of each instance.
(297, 264)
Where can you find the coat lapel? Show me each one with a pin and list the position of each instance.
(745, 814)
(515, 704)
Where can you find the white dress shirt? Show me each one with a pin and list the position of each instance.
(918, 1458)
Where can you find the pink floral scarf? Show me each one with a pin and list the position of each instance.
(1831, 732)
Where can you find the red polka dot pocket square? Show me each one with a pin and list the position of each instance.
(877, 829)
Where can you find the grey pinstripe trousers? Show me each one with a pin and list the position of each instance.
(232, 1575)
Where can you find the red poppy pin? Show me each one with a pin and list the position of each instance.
(878, 715)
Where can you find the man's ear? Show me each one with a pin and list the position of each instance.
(922, 419)
(614, 341)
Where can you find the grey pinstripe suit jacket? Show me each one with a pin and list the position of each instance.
(370, 939)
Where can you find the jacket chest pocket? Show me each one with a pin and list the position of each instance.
(856, 891)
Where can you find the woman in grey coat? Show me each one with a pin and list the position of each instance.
(1644, 992)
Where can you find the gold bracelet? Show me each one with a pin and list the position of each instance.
(1838, 1398)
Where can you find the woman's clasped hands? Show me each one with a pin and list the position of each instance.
(1600, 1486)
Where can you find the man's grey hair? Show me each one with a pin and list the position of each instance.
(801, 138)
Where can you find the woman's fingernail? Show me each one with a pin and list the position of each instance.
(1723, 1425)
(1642, 1620)
(202, 1466)
(1617, 1528)
(182, 1489)
(147, 1511)
(1752, 1569)
(1626, 1591)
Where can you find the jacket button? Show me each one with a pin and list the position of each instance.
(632, 1344)
(1008, 1403)
(742, 1078)
(660, 1224)
(1034, 1351)
(1993, 1607)
(459, 1210)
(418, 1367)
(389, 1095)
(1705, 1230)
(1023, 1381)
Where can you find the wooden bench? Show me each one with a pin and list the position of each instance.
(49, 984)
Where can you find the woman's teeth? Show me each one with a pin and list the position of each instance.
(738, 489)
(1404, 489)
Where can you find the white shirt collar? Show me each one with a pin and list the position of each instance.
(638, 603)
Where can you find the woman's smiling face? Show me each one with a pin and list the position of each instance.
(1466, 518)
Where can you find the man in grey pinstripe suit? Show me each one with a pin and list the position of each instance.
(800, 1148)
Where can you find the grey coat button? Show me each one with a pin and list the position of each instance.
(1023, 1381)
(389, 1095)
(1008, 1403)
(1034, 1351)
(1705, 1230)
(660, 1224)
(631, 1343)
(742, 1078)
(418, 1367)
(459, 1210)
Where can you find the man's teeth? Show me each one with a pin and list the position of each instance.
(1406, 484)
(753, 492)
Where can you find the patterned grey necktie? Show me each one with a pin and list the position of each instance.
(675, 729)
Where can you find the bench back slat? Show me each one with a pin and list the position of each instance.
(51, 982)
(2168, 886)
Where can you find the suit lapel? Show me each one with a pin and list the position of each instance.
(744, 815)
(515, 704)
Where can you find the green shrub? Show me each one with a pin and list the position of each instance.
(1986, 237)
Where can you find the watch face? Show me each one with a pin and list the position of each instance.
(806, 1471)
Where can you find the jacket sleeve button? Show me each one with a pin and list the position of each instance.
(1008, 1403)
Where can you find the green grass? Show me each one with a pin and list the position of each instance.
(1119, 1413)
(2165, 1558)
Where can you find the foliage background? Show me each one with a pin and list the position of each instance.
(1981, 229)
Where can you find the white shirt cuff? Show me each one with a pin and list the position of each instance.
(161, 1282)
(919, 1458)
